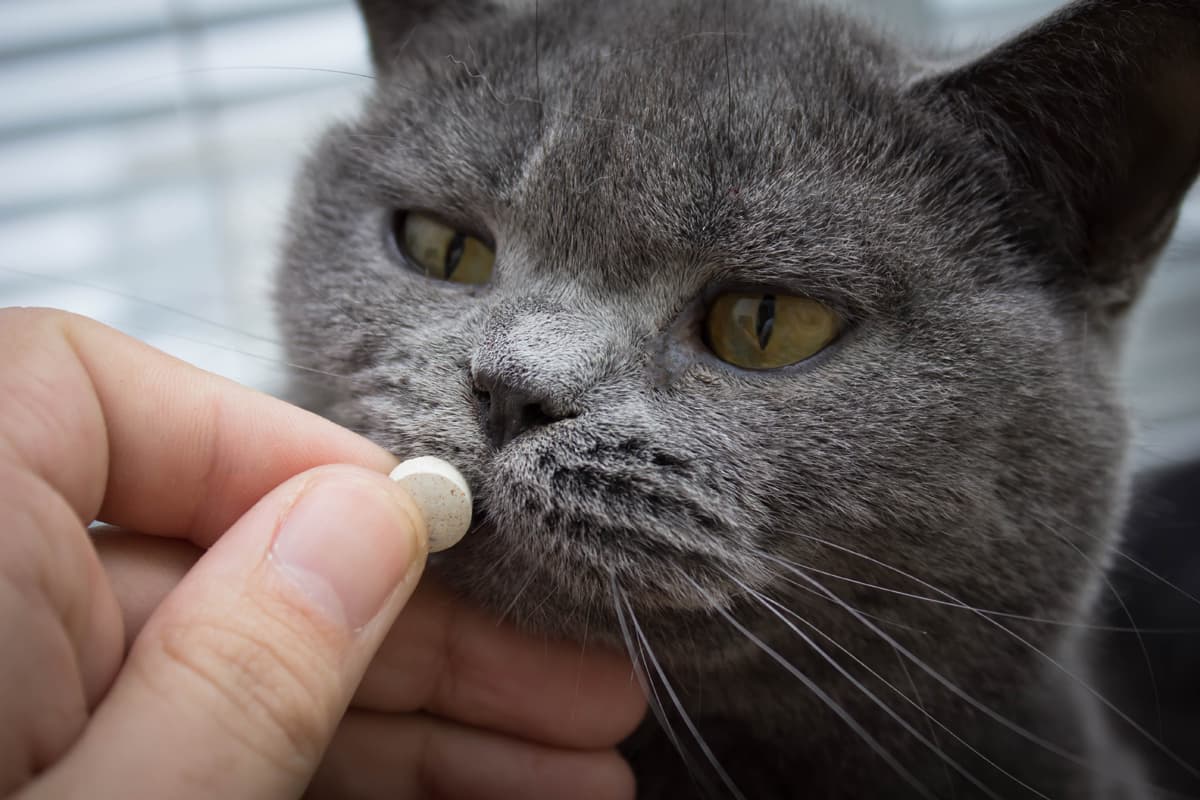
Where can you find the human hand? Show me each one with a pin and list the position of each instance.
(236, 682)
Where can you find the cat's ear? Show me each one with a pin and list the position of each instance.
(392, 25)
(1097, 109)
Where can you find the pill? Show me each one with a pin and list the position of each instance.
(442, 496)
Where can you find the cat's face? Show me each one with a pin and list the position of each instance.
(959, 426)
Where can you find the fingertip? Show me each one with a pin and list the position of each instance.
(612, 777)
(349, 540)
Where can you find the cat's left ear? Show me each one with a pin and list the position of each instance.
(394, 25)
(1097, 110)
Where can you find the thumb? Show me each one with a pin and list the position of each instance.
(237, 683)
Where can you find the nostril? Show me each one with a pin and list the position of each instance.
(534, 415)
(507, 409)
(505, 416)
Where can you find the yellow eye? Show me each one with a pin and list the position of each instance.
(444, 253)
(768, 331)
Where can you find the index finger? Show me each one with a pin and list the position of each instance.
(133, 437)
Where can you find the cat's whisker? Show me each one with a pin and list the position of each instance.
(779, 612)
(583, 642)
(982, 708)
(989, 611)
(1128, 558)
(823, 696)
(1103, 573)
(687, 720)
(889, 623)
(269, 68)
(108, 290)
(933, 673)
(516, 598)
(641, 671)
(533, 610)
(1156, 742)
(117, 89)
(916, 700)
(293, 370)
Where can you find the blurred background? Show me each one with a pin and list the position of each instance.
(146, 148)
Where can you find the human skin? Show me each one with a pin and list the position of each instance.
(211, 651)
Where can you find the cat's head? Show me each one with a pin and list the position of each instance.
(765, 290)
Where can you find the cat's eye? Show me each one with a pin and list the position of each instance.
(442, 252)
(768, 331)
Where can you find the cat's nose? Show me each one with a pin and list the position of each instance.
(507, 411)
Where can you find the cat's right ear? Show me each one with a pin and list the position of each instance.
(394, 25)
(1097, 112)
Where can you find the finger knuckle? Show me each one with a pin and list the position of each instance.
(31, 318)
(266, 691)
(34, 330)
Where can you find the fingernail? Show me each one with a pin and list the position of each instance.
(347, 545)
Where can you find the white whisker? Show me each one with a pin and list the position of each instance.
(916, 700)
(642, 672)
(1014, 727)
(778, 610)
(687, 720)
(512, 604)
(988, 611)
(1128, 558)
(95, 287)
(1129, 616)
(937, 676)
(824, 697)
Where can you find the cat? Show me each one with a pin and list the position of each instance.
(777, 353)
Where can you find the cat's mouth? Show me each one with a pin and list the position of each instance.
(571, 584)
(612, 604)
(572, 523)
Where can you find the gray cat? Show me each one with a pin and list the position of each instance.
(776, 353)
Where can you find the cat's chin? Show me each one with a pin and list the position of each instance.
(566, 595)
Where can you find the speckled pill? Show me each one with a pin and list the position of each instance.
(442, 496)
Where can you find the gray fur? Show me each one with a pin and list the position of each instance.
(631, 160)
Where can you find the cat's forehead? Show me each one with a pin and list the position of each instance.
(749, 129)
(687, 89)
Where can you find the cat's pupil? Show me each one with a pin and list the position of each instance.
(765, 321)
(454, 253)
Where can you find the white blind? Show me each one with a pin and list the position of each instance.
(146, 148)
